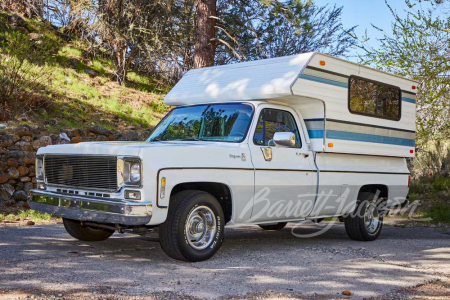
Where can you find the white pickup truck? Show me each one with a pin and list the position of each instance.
(296, 138)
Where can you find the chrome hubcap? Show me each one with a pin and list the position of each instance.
(371, 218)
(201, 227)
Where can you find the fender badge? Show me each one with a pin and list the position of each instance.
(243, 157)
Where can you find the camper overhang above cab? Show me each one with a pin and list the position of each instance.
(346, 107)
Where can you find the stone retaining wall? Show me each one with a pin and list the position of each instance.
(18, 147)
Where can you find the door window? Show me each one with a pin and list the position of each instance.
(274, 120)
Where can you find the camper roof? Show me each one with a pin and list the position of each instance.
(255, 80)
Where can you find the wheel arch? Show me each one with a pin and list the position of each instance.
(381, 189)
(220, 191)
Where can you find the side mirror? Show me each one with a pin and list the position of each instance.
(284, 139)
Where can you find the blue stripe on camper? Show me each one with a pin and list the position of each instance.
(361, 137)
(323, 80)
(315, 134)
(409, 100)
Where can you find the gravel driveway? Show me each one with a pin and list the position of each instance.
(46, 260)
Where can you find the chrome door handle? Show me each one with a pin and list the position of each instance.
(306, 155)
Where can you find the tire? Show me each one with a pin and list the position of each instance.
(355, 225)
(85, 233)
(181, 235)
(277, 226)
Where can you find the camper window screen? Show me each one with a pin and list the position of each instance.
(374, 99)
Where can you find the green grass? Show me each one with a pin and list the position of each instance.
(34, 215)
(2, 217)
(440, 213)
(77, 100)
(11, 218)
(441, 183)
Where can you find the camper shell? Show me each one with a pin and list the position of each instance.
(318, 87)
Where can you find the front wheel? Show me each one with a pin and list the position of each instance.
(85, 233)
(366, 222)
(194, 228)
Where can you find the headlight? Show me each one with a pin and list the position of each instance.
(40, 167)
(135, 172)
(129, 171)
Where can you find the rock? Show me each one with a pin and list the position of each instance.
(25, 146)
(63, 136)
(9, 203)
(3, 126)
(90, 72)
(130, 136)
(19, 186)
(35, 36)
(42, 142)
(346, 293)
(27, 138)
(131, 127)
(76, 139)
(2, 151)
(30, 223)
(16, 20)
(29, 161)
(6, 141)
(68, 80)
(12, 162)
(74, 62)
(23, 171)
(23, 130)
(6, 191)
(4, 177)
(102, 138)
(28, 186)
(20, 196)
(3, 166)
(14, 153)
(100, 130)
(13, 173)
(25, 179)
(78, 132)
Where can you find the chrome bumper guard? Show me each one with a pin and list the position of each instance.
(95, 209)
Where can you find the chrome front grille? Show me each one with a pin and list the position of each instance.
(82, 171)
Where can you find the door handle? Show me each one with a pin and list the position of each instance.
(306, 155)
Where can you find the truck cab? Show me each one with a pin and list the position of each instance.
(242, 147)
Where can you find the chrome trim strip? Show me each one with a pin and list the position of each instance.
(85, 208)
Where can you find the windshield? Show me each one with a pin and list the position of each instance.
(215, 122)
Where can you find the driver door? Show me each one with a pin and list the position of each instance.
(284, 184)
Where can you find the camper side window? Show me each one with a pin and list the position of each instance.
(274, 120)
(374, 99)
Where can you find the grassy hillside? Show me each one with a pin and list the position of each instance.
(73, 87)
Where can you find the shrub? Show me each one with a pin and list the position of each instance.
(2, 217)
(432, 162)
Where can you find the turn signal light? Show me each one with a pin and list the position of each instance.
(413, 87)
(411, 151)
(330, 145)
(322, 63)
(163, 188)
(409, 180)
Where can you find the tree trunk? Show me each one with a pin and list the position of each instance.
(205, 46)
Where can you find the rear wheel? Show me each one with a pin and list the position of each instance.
(85, 233)
(366, 222)
(277, 226)
(194, 228)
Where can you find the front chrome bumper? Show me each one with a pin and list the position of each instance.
(85, 208)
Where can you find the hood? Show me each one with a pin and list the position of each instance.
(122, 148)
